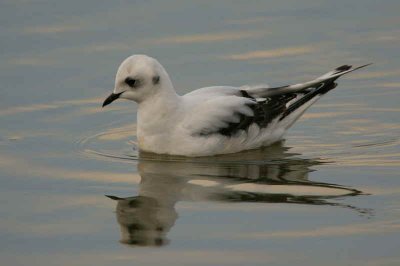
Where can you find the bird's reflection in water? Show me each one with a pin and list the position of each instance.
(144, 221)
(270, 175)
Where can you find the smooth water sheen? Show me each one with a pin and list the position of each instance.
(75, 190)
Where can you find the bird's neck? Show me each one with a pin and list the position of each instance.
(156, 114)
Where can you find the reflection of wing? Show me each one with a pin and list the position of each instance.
(268, 175)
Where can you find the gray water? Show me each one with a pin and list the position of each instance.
(327, 195)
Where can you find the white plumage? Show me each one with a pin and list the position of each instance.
(211, 120)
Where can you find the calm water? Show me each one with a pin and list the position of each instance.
(75, 191)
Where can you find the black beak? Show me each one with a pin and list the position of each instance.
(111, 98)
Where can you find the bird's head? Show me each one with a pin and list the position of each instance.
(138, 78)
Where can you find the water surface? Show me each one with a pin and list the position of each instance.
(75, 189)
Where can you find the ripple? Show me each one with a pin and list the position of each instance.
(118, 143)
(352, 141)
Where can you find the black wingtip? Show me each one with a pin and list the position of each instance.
(343, 68)
(347, 68)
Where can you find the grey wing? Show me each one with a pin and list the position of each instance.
(261, 106)
(265, 111)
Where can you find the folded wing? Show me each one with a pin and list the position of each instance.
(227, 110)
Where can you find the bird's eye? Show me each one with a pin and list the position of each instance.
(131, 82)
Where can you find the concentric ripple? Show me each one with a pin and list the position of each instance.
(352, 143)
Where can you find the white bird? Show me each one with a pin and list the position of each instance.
(212, 120)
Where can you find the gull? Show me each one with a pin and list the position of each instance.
(212, 120)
